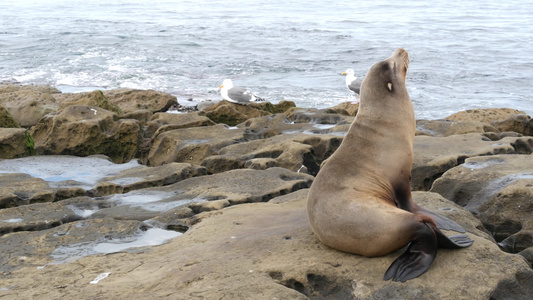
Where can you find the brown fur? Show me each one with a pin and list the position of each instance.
(351, 204)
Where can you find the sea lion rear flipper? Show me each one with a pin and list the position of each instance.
(417, 258)
(441, 221)
(454, 241)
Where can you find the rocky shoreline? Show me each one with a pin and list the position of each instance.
(106, 195)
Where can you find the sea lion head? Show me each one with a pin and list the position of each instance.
(387, 78)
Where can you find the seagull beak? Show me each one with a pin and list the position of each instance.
(221, 86)
(343, 73)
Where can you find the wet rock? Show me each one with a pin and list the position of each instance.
(192, 145)
(498, 190)
(6, 119)
(289, 151)
(163, 122)
(28, 103)
(22, 189)
(86, 130)
(130, 100)
(15, 142)
(487, 116)
(267, 250)
(142, 177)
(435, 155)
(63, 243)
(448, 127)
(95, 98)
(41, 216)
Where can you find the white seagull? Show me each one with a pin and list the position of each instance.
(352, 82)
(237, 94)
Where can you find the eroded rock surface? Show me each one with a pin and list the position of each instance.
(498, 190)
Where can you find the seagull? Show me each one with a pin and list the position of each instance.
(352, 82)
(237, 94)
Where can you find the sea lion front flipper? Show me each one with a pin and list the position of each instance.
(417, 258)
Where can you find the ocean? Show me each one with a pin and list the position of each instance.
(464, 54)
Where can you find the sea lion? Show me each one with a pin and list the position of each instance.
(360, 201)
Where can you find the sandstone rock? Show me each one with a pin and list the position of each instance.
(22, 189)
(192, 145)
(448, 127)
(522, 124)
(163, 122)
(435, 155)
(130, 100)
(233, 114)
(260, 251)
(141, 115)
(41, 216)
(27, 104)
(6, 119)
(143, 177)
(15, 142)
(315, 116)
(498, 190)
(62, 243)
(289, 151)
(85, 130)
(271, 125)
(487, 116)
(345, 108)
(95, 98)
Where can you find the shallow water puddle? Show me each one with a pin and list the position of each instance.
(151, 200)
(82, 172)
(150, 237)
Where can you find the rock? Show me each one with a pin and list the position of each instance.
(27, 104)
(345, 108)
(63, 243)
(163, 122)
(435, 155)
(85, 130)
(487, 116)
(6, 119)
(233, 114)
(314, 116)
(141, 115)
(281, 107)
(259, 251)
(15, 142)
(521, 124)
(205, 104)
(448, 127)
(289, 151)
(192, 145)
(271, 125)
(22, 189)
(42, 216)
(143, 177)
(498, 190)
(95, 98)
(130, 100)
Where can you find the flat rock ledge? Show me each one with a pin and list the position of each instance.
(267, 251)
(210, 204)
